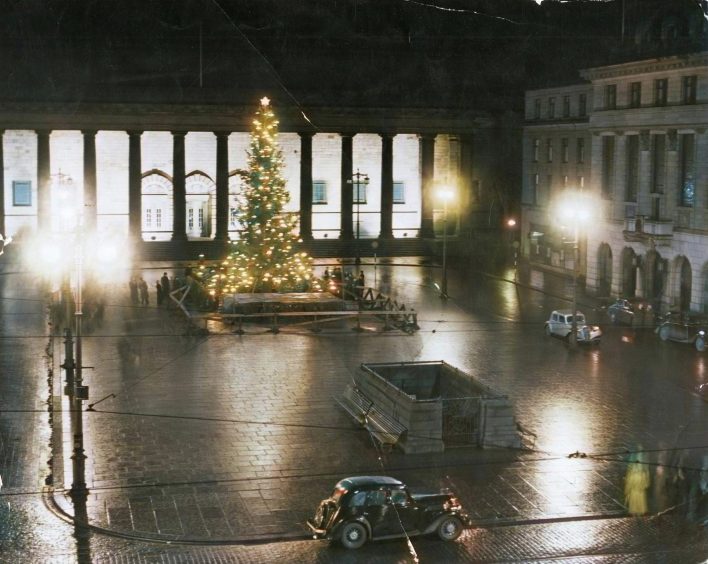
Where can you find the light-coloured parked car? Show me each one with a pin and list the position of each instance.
(684, 329)
(560, 324)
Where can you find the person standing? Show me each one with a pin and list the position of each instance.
(165, 283)
(142, 285)
(133, 285)
(158, 291)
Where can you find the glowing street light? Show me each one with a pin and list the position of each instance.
(445, 194)
(576, 210)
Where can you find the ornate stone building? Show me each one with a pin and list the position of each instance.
(645, 157)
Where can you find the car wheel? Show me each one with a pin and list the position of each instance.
(548, 331)
(353, 535)
(700, 344)
(664, 333)
(449, 528)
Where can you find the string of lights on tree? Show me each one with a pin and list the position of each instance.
(264, 258)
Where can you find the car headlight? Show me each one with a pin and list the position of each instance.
(595, 328)
(701, 332)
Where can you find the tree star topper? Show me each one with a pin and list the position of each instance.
(265, 101)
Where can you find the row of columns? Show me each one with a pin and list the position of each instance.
(427, 153)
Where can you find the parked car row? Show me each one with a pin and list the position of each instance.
(676, 327)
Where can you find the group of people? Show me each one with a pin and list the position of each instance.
(139, 294)
(347, 280)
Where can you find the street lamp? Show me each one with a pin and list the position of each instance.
(358, 180)
(445, 194)
(574, 209)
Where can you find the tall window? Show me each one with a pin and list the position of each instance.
(580, 181)
(658, 163)
(564, 149)
(200, 218)
(688, 89)
(582, 105)
(399, 194)
(536, 149)
(608, 165)
(549, 185)
(565, 181)
(630, 194)
(537, 108)
(158, 218)
(233, 218)
(686, 156)
(551, 108)
(319, 192)
(661, 86)
(580, 149)
(635, 94)
(549, 150)
(610, 96)
(190, 219)
(533, 197)
(566, 106)
(21, 193)
(148, 218)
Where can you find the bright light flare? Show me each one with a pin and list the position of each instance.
(575, 209)
(446, 194)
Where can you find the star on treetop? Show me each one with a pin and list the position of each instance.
(265, 101)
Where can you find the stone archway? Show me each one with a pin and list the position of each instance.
(200, 202)
(654, 275)
(236, 181)
(628, 284)
(604, 270)
(157, 206)
(681, 283)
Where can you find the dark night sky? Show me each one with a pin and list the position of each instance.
(329, 52)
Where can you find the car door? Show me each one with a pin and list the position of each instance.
(400, 513)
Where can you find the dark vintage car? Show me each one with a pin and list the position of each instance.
(379, 507)
(631, 311)
(684, 329)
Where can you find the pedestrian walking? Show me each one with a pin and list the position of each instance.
(133, 285)
(158, 291)
(636, 483)
(143, 287)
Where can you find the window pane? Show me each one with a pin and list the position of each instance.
(319, 192)
(21, 193)
(398, 193)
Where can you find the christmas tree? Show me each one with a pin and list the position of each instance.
(264, 258)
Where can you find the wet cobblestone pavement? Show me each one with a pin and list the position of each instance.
(225, 438)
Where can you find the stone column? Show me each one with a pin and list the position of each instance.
(306, 186)
(644, 172)
(2, 186)
(464, 190)
(44, 197)
(135, 178)
(347, 190)
(386, 186)
(222, 186)
(179, 204)
(427, 164)
(673, 172)
(90, 210)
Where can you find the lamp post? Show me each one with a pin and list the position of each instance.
(445, 194)
(575, 208)
(358, 180)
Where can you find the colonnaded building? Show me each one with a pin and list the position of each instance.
(635, 135)
(172, 173)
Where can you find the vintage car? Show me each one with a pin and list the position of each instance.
(560, 324)
(684, 329)
(379, 507)
(631, 311)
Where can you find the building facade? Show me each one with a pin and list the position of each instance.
(174, 173)
(646, 161)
